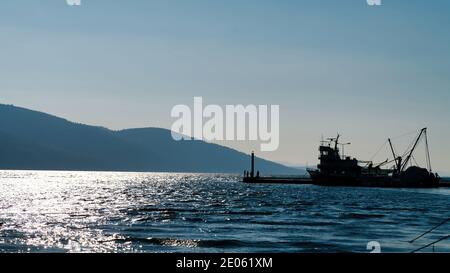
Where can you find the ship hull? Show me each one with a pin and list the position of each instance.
(371, 181)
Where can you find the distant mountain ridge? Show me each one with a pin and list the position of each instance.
(32, 140)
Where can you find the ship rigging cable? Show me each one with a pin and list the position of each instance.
(432, 243)
(431, 230)
(394, 138)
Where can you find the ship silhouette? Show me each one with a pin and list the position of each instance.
(335, 169)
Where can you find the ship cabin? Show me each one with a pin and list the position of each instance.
(331, 161)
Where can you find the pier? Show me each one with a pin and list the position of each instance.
(250, 177)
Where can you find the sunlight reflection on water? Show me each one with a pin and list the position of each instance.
(162, 212)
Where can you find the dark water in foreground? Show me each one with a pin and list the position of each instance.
(133, 212)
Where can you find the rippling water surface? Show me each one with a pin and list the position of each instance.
(137, 212)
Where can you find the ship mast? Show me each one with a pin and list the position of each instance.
(428, 152)
(408, 158)
(397, 159)
(336, 142)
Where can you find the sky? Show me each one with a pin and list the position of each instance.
(366, 72)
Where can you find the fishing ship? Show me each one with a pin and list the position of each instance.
(337, 170)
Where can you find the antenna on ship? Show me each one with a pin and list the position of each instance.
(335, 140)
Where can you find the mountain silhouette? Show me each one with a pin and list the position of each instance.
(31, 140)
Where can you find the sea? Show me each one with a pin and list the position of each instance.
(96, 212)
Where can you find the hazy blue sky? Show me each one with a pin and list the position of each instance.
(367, 72)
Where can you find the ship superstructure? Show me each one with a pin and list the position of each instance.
(335, 169)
